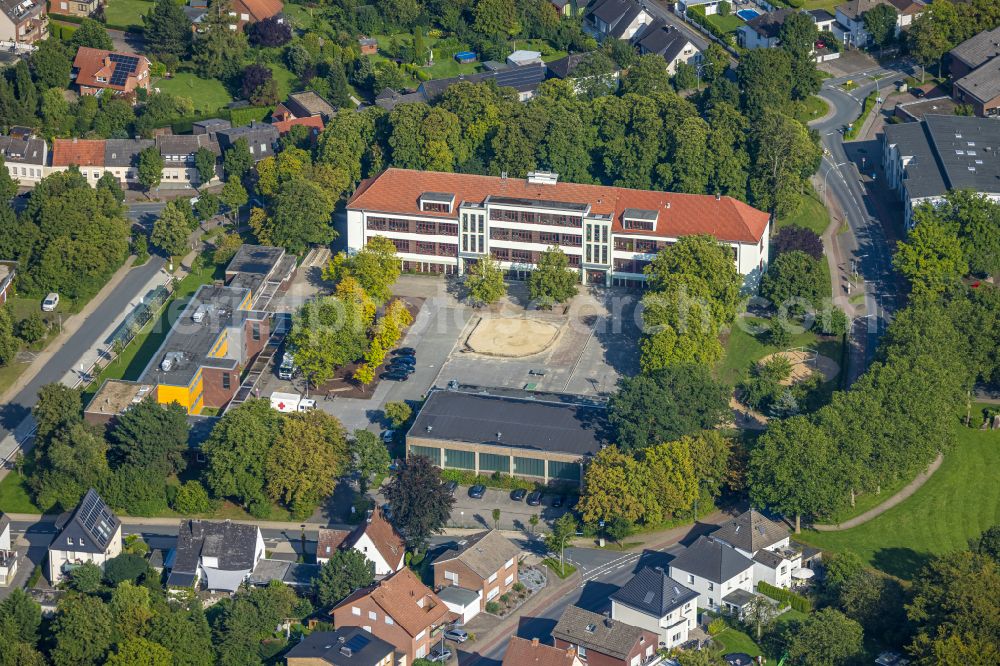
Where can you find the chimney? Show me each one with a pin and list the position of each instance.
(534, 642)
(718, 196)
(608, 622)
(668, 205)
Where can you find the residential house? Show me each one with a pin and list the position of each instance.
(851, 18)
(524, 79)
(80, 8)
(762, 31)
(96, 71)
(485, 563)
(220, 554)
(24, 157)
(716, 572)
(261, 138)
(22, 23)
(121, 158)
(92, 533)
(8, 271)
(367, 45)
(604, 641)
(210, 126)
(398, 609)
(710, 7)
(665, 40)
(658, 603)
(766, 542)
(975, 70)
(609, 234)
(8, 556)
(375, 538)
(343, 647)
(306, 104)
(824, 20)
(178, 151)
(251, 11)
(615, 19)
(85, 154)
(465, 604)
(522, 652)
(925, 160)
(566, 68)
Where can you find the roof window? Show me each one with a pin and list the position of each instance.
(437, 202)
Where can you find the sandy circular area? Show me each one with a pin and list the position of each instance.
(512, 337)
(805, 363)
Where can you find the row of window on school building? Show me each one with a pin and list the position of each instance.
(488, 463)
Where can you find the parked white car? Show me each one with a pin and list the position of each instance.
(51, 302)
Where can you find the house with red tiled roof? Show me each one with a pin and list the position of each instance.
(522, 652)
(313, 123)
(375, 538)
(85, 154)
(251, 11)
(400, 610)
(97, 70)
(445, 222)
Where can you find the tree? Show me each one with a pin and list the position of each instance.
(553, 281)
(71, 461)
(51, 65)
(376, 267)
(618, 485)
(369, 456)
(765, 78)
(91, 34)
(204, 159)
(533, 521)
(931, 34)
(8, 186)
(140, 652)
(563, 528)
(977, 219)
(784, 154)
(987, 543)
(8, 341)
(398, 413)
(237, 452)
(167, 30)
(171, 231)
(109, 183)
(86, 578)
(706, 259)
(880, 24)
(345, 571)
(191, 499)
(301, 215)
(618, 529)
(82, 630)
(686, 76)
(305, 461)
(496, 17)
(792, 238)
(270, 32)
(420, 502)
(931, 257)
(484, 281)
(793, 469)
(647, 76)
(186, 631)
(254, 76)
(794, 279)
(827, 637)
(58, 407)
(759, 614)
(218, 51)
(151, 435)
(150, 167)
(206, 208)
(130, 610)
(331, 331)
(672, 465)
(233, 196)
(237, 160)
(125, 567)
(664, 405)
(32, 328)
(22, 615)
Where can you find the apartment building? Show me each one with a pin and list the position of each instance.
(444, 222)
(485, 563)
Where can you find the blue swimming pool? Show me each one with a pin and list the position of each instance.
(747, 14)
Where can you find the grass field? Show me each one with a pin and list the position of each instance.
(207, 94)
(742, 348)
(958, 502)
(810, 214)
(813, 107)
(729, 23)
(124, 13)
(284, 78)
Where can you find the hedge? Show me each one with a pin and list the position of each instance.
(502, 481)
(855, 130)
(244, 115)
(697, 14)
(796, 601)
(61, 32)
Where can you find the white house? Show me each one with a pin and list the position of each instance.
(669, 42)
(92, 534)
(766, 542)
(24, 156)
(715, 571)
(762, 32)
(376, 538)
(220, 554)
(616, 19)
(710, 6)
(851, 18)
(8, 556)
(657, 602)
(465, 604)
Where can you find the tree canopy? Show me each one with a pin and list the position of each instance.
(420, 502)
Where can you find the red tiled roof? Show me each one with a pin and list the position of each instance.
(522, 652)
(90, 63)
(728, 219)
(312, 121)
(260, 9)
(330, 541)
(411, 604)
(81, 152)
(385, 537)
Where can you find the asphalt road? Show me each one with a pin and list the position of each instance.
(86, 337)
(866, 244)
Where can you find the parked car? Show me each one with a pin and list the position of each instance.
(395, 376)
(405, 351)
(287, 368)
(404, 360)
(518, 494)
(439, 655)
(387, 436)
(457, 635)
(534, 499)
(408, 369)
(451, 487)
(50, 302)
(558, 501)
(477, 491)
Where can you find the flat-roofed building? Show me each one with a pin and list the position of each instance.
(445, 222)
(545, 437)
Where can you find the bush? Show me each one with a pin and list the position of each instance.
(32, 329)
(492, 607)
(518, 587)
(124, 567)
(796, 601)
(717, 626)
(140, 248)
(191, 498)
(496, 480)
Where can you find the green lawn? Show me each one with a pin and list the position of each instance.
(734, 640)
(123, 13)
(810, 214)
(958, 502)
(15, 496)
(729, 23)
(286, 80)
(828, 5)
(743, 348)
(207, 94)
(813, 107)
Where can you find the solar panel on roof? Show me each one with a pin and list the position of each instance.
(357, 642)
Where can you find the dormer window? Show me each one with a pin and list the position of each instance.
(638, 219)
(437, 202)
